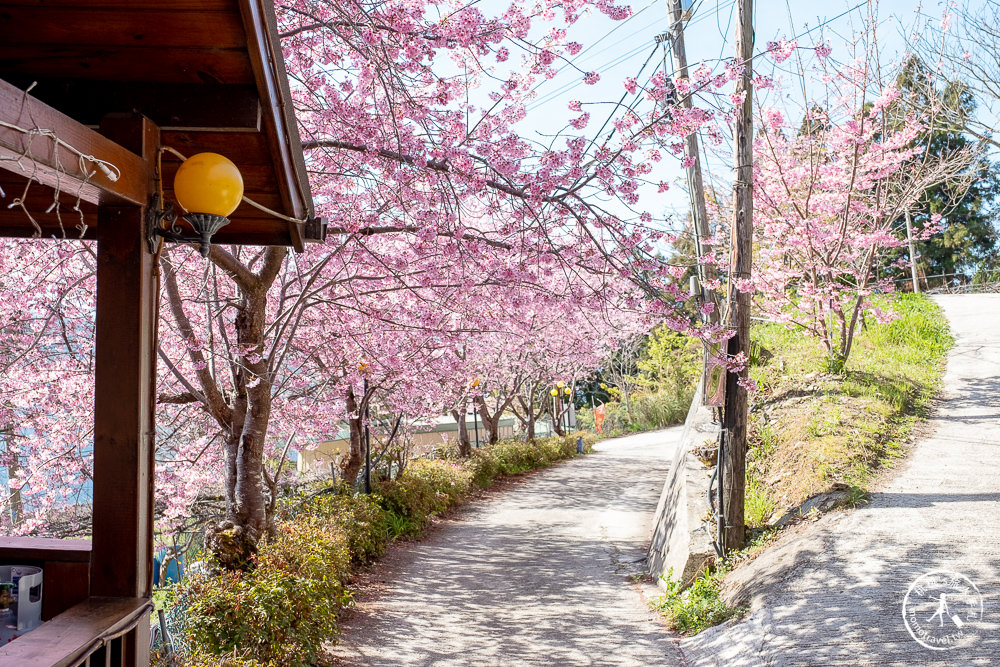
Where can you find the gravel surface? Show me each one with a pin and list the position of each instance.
(832, 593)
(539, 574)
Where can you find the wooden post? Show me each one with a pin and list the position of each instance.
(696, 188)
(913, 253)
(734, 421)
(125, 373)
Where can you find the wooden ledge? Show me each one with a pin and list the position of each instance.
(44, 549)
(73, 635)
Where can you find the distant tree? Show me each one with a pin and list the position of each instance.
(968, 236)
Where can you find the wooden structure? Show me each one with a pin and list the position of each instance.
(116, 80)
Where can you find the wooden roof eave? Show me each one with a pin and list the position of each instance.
(268, 63)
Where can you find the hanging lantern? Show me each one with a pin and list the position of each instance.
(554, 392)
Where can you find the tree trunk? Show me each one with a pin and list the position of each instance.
(464, 444)
(529, 417)
(491, 424)
(556, 418)
(356, 453)
(234, 541)
(244, 412)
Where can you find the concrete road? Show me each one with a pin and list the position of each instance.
(832, 593)
(539, 574)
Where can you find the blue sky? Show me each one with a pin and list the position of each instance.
(619, 49)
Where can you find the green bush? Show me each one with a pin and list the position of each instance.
(359, 518)
(426, 487)
(653, 411)
(282, 610)
(647, 412)
(512, 457)
(234, 659)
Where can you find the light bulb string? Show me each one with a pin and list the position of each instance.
(84, 160)
(112, 172)
(251, 202)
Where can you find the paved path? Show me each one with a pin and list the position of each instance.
(832, 593)
(536, 575)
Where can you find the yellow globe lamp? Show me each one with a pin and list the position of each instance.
(554, 392)
(567, 391)
(209, 187)
(560, 384)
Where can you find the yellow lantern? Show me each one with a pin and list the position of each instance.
(554, 392)
(560, 384)
(567, 391)
(209, 187)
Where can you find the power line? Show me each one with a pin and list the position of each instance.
(548, 97)
(565, 88)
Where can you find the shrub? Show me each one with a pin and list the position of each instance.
(359, 518)
(511, 457)
(283, 609)
(234, 659)
(427, 487)
(280, 612)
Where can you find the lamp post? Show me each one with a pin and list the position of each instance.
(568, 393)
(475, 422)
(554, 393)
(368, 443)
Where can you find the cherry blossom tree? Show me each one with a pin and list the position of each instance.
(448, 227)
(829, 191)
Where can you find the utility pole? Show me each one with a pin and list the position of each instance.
(696, 188)
(734, 422)
(913, 253)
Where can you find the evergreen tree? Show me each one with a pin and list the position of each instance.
(967, 243)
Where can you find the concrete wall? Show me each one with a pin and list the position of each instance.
(682, 533)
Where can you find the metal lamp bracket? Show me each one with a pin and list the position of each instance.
(162, 221)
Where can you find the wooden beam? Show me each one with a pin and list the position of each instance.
(127, 63)
(44, 548)
(125, 374)
(22, 110)
(87, 24)
(279, 122)
(172, 106)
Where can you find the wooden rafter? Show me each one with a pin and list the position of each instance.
(56, 166)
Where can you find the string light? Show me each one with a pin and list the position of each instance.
(88, 165)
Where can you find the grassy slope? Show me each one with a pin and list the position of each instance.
(811, 430)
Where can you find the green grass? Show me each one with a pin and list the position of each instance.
(697, 607)
(811, 429)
